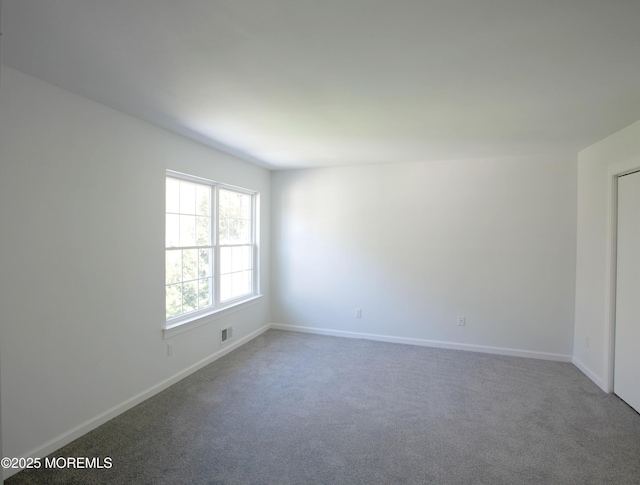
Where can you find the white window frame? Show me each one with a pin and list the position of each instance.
(218, 309)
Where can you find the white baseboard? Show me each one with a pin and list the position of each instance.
(428, 343)
(91, 424)
(589, 373)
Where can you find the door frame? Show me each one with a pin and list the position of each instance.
(614, 171)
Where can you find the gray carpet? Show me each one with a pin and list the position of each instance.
(291, 408)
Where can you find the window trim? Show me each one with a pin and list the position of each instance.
(199, 320)
(193, 319)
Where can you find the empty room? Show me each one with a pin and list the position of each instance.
(291, 242)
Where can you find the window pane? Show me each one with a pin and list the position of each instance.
(173, 266)
(225, 287)
(244, 235)
(234, 204)
(223, 203)
(225, 260)
(189, 296)
(203, 200)
(232, 231)
(240, 283)
(236, 258)
(247, 257)
(223, 231)
(234, 225)
(187, 198)
(173, 195)
(237, 231)
(236, 280)
(234, 285)
(205, 263)
(248, 281)
(189, 264)
(173, 301)
(187, 231)
(203, 231)
(204, 293)
(172, 230)
(246, 207)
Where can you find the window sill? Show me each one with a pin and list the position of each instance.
(200, 320)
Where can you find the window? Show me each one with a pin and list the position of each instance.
(210, 249)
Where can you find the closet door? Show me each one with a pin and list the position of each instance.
(626, 382)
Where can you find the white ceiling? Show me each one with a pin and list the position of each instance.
(302, 83)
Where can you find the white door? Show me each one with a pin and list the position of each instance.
(626, 383)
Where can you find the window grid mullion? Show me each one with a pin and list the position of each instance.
(254, 286)
(181, 280)
(216, 252)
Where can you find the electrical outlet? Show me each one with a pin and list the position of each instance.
(586, 341)
(169, 349)
(461, 321)
(358, 313)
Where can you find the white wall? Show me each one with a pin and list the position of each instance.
(597, 166)
(1, 455)
(416, 244)
(82, 268)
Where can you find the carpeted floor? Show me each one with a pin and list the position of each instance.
(290, 408)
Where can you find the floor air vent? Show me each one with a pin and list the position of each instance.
(226, 334)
